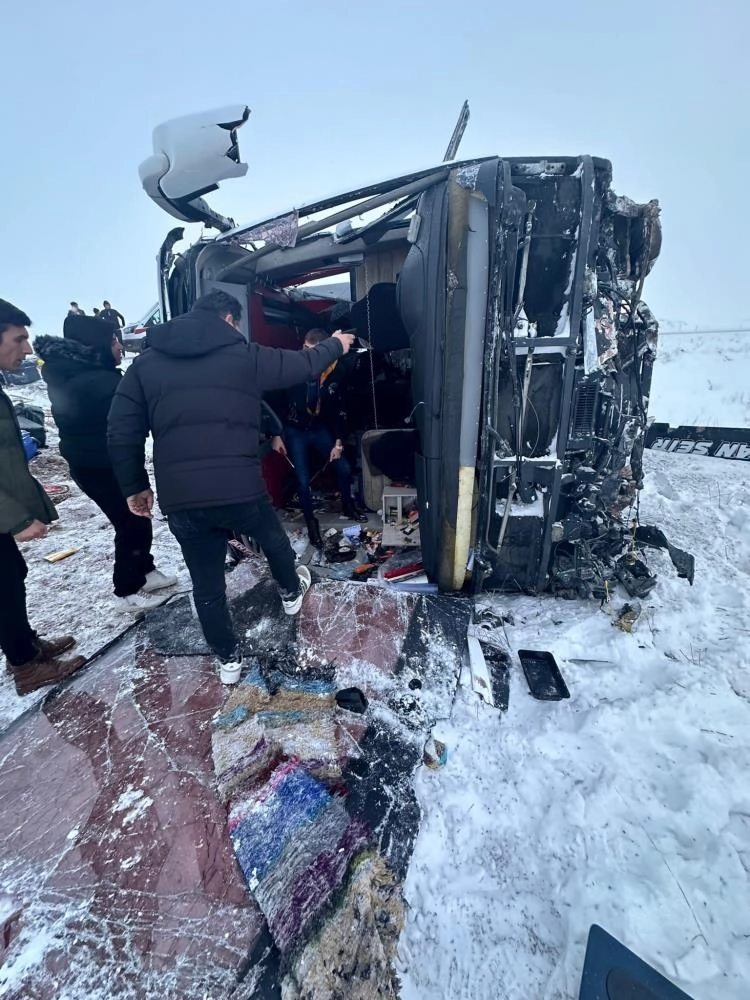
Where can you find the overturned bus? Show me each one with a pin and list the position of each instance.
(499, 302)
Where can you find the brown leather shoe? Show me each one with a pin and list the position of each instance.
(53, 647)
(49, 648)
(42, 670)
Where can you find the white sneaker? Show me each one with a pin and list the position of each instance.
(229, 673)
(293, 604)
(157, 581)
(138, 604)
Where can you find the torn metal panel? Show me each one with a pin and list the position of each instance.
(466, 177)
(282, 232)
(683, 562)
(590, 252)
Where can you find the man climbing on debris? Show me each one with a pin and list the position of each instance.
(314, 420)
(82, 373)
(198, 390)
(25, 513)
(110, 315)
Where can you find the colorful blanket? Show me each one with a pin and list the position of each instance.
(322, 812)
(294, 841)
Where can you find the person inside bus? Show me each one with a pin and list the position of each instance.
(314, 422)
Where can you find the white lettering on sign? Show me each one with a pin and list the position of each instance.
(685, 446)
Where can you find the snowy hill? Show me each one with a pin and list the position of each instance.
(701, 379)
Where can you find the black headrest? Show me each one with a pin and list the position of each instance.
(376, 318)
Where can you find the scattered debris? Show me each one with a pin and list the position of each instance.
(498, 667)
(435, 753)
(352, 700)
(30, 447)
(480, 678)
(584, 662)
(364, 571)
(10, 914)
(489, 619)
(56, 493)
(243, 547)
(400, 517)
(31, 418)
(54, 557)
(404, 572)
(611, 969)
(628, 616)
(488, 632)
(634, 575)
(543, 675)
(683, 562)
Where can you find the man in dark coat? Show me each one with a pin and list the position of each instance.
(112, 316)
(198, 389)
(314, 420)
(25, 512)
(82, 375)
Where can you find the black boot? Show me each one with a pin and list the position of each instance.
(349, 509)
(313, 532)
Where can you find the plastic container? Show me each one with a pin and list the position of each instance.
(543, 675)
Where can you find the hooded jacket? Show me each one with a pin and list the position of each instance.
(198, 388)
(22, 499)
(81, 382)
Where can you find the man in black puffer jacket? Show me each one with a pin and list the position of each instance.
(198, 389)
(82, 374)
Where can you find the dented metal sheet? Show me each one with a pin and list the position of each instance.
(281, 232)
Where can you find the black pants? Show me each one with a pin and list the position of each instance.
(16, 635)
(133, 534)
(203, 536)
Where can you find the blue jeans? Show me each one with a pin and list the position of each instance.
(203, 535)
(299, 443)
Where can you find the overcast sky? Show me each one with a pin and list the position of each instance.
(343, 92)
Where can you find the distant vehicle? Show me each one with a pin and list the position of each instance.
(498, 301)
(25, 375)
(133, 335)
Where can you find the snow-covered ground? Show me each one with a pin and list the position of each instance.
(702, 380)
(75, 595)
(627, 805)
